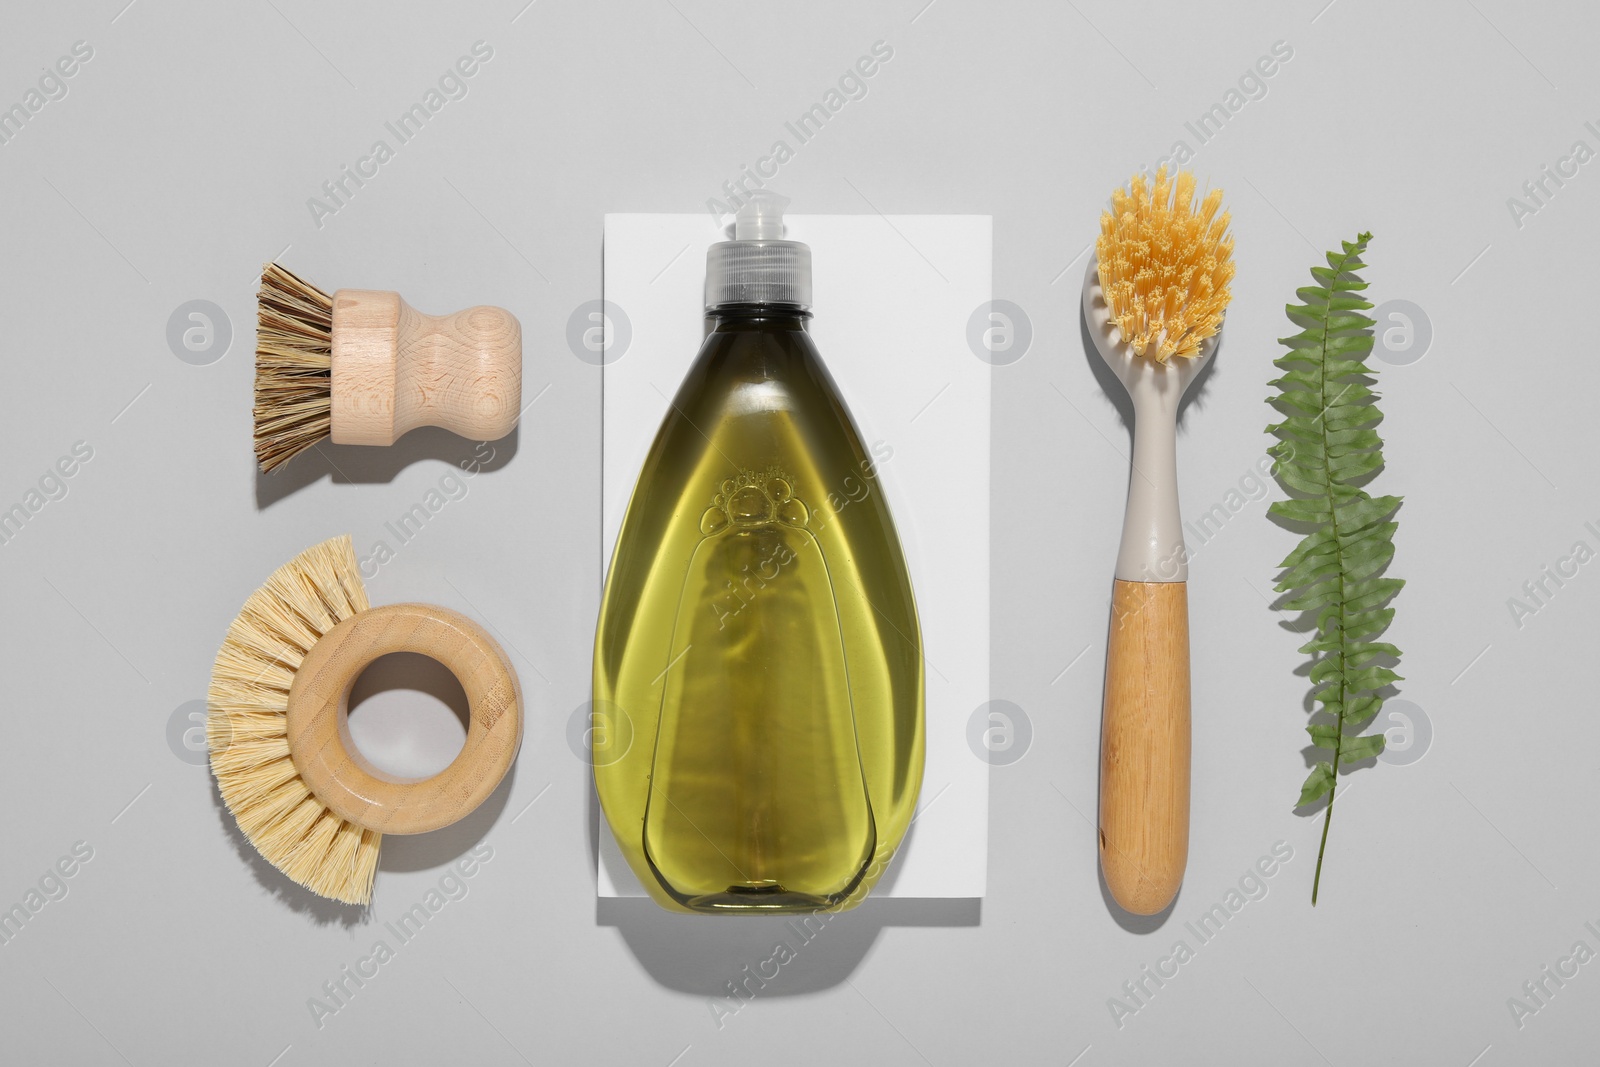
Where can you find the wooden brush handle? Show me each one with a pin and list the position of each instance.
(1144, 746)
(319, 733)
(395, 369)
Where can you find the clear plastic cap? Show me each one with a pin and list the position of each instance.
(757, 266)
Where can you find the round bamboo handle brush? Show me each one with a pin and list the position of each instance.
(277, 723)
(1153, 298)
(362, 367)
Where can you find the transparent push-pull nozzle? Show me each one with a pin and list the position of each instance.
(758, 266)
(761, 217)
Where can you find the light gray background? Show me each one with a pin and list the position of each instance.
(184, 154)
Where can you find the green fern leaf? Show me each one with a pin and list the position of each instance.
(1319, 783)
(1327, 449)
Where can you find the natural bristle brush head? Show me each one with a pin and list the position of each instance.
(1164, 265)
(278, 737)
(363, 367)
(247, 724)
(294, 356)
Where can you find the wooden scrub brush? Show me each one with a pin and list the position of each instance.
(1153, 298)
(362, 367)
(277, 723)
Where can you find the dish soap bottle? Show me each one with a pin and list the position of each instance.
(758, 678)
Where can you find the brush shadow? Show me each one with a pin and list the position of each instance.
(1113, 389)
(398, 853)
(368, 465)
(1196, 393)
(437, 848)
(426, 852)
(1110, 385)
(1134, 924)
(295, 897)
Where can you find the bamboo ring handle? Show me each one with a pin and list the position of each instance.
(1144, 746)
(394, 369)
(318, 720)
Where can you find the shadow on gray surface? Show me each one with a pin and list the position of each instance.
(364, 464)
(321, 910)
(1117, 393)
(398, 853)
(1134, 924)
(702, 954)
(426, 852)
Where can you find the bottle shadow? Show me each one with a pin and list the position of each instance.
(368, 465)
(737, 957)
(712, 956)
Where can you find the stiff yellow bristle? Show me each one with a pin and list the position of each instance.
(247, 724)
(1165, 265)
(294, 357)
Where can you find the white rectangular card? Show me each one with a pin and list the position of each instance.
(893, 296)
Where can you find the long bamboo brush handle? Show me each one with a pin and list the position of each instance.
(326, 757)
(1144, 745)
(394, 369)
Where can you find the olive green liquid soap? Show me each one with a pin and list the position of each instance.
(758, 681)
